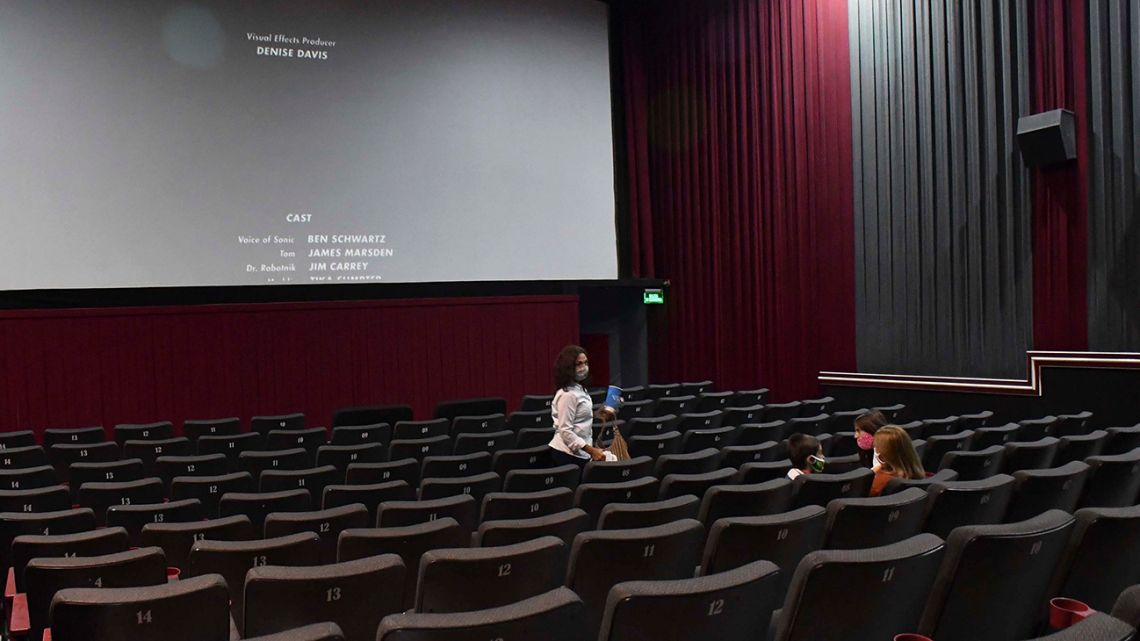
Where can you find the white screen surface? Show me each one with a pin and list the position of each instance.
(160, 143)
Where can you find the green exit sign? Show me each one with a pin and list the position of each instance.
(653, 297)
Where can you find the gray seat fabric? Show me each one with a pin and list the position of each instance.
(409, 542)
(565, 525)
(1101, 558)
(355, 595)
(623, 516)
(783, 539)
(1098, 627)
(1055, 488)
(871, 522)
(462, 508)
(954, 503)
(153, 613)
(557, 615)
(600, 560)
(525, 505)
(898, 574)
(820, 489)
(326, 524)
(176, 539)
(504, 574)
(755, 499)
(729, 606)
(993, 583)
(974, 465)
(232, 559)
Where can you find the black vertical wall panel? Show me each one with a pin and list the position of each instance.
(942, 209)
(1114, 175)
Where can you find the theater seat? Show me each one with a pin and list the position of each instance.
(819, 489)
(501, 575)
(756, 499)
(565, 525)
(600, 560)
(994, 580)
(326, 524)
(558, 615)
(593, 497)
(95, 543)
(192, 609)
(854, 523)
(134, 517)
(454, 466)
(974, 465)
(463, 508)
(1114, 480)
(367, 434)
(1055, 488)
(525, 505)
(1098, 627)
(355, 595)
(783, 539)
(892, 580)
(617, 471)
(543, 478)
(176, 539)
(405, 469)
(195, 429)
(623, 516)
(1101, 558)
(952, 504)
(232, 559)
(729, 606)
(370, 495)
(409, 542)
(315, 632)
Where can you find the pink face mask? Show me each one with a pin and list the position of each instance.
(865, 441)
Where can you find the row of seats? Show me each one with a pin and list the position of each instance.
(982, 583)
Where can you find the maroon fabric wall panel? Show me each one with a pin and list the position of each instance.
(1058, 79)
(738, 122)
(105, 366)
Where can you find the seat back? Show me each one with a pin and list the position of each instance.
(897, 484)
(133, 518)
(897, 576)
(736, 415)
(63, 455)
(693, 463)
(209, 490)
(990, 436)
(509, 573)
(41, 499)
(536, 403)
(366, 434)
(257, 505)
(564, 525)
(617, 471)
(150, 450)
(652, 425)
(750, 473)
(1121, 440)
(939, 426)
(265, 424)
(461, 507)
(675, 485)
(355, 595)
(1035, 429)
(43, 577)
(195, 429)
(820, 489)
(100, 496)
(783, 539)
(13, 524)
(871, 522)
(1030, 455)
(405, 430)
(485, 424)
(937, 446)
(545, 478)
(470, 407)
(599, 560)
(76, 435)
(370, 495)
(755, 499)
(476, 486)
(176, 539)
(232, 559)
(419, 448)
(1079, 447)
(738, 455)
(781, 411)
(95, 543)
(994, 580)
(656, 445)
(28, 478)
(1055, 488)
(952, 504)
(371, 415)
(503, 461)
(624, 516)
(449, 467)
(168, 467)
(152, 613)
(554, 616)
(326, 524)
(1113, 481)
(230, 445)
(341, 456)
(592, 497)
(525, 505)
(409, 542)
(405, 469)
(257, 461)
(1101, 558)
(812, 424)
(972, 466)
(730, 606)
(313, 479)
(157, 431)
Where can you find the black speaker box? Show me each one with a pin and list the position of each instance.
(1047, 138)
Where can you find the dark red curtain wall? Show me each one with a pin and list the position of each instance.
(738, 119)
(107, 366)
(1058, 53)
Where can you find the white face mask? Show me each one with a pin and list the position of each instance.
(876, 461)
(581, 373)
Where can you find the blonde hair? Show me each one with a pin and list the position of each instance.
(897, 453)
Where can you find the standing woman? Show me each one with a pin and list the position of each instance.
(572, 410)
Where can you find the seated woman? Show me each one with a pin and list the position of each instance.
(806, 455)
(866, 424)
(897, 458)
